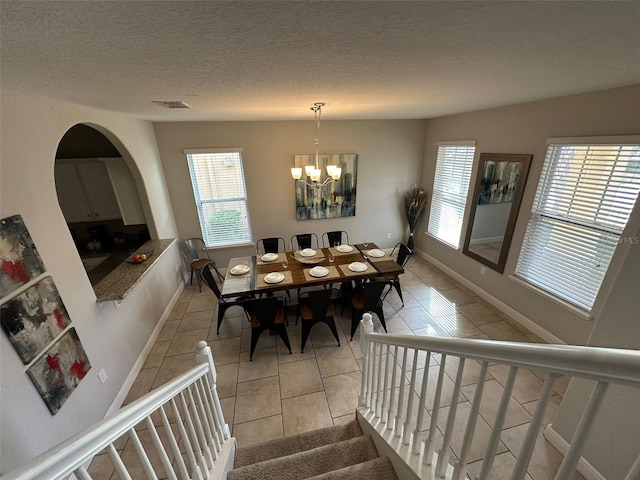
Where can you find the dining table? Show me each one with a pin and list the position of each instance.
(259, 274)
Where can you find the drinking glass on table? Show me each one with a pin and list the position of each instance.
(365, 243)
(336, 244)
(331, 257)
(285, 263)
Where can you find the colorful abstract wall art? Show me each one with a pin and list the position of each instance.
(20, 260)
(34, 318)
(59, 371)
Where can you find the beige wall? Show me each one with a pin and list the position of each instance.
(389, 160)
(525, 129)
(112, 338)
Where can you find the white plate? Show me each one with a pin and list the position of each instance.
(308, 252)
(357, 267)
(319, 272)
(240, 269)
(269, 257)
(375, 253)
(273, 277)
(344, 248)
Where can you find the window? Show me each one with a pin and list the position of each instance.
(584, 199)
(450, 188)
(218, 184)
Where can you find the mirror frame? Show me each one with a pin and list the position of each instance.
(525, 161)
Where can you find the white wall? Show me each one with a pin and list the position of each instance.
(525, 128)
(113, 339)
(389, 161)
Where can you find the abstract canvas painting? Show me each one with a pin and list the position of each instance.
(18, 254)
(34, 318)
(337, 199)
(59, 371)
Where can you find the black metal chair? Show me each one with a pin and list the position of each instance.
(195, 253)
(224, 304)
(403, 253)
(266, 314)
(304, 240)
(313, 307)
(329, 239)
(271, 245)
(367, 298)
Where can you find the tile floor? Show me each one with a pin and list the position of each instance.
(278, 394)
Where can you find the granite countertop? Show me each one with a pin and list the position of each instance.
(117, 285)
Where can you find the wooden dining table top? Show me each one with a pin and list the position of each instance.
(298, 272)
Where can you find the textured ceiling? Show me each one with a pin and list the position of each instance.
(270, 60)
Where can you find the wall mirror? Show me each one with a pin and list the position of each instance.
(499, 186)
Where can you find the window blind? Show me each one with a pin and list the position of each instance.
(450, 188)
(584, 199)
(217, 178)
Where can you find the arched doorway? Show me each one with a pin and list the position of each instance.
(99, 199)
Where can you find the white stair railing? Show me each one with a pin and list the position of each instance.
(186, 410)
(427, 451)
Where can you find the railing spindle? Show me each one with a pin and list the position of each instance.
(202, 463)
(182, 468)
(412, 388)
(200, 430)
(212, 442)
(212, 415)
(82, 474)
(204, 355)
(403, 372)
(383, 412)
(375, 374)
(118, 465)
(392, 389)
(142, 455)
(421, 408)
(634, 471)
(445, 452)
(184, 435)
(379, 390)
(164, 458)
(429, 446)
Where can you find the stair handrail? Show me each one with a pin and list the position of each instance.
(65, 458)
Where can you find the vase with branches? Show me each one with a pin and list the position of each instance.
(415, 201)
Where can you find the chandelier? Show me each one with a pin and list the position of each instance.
(313, 172)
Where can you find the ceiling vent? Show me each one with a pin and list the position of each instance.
(171, 103)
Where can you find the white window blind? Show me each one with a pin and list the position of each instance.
(219, 189)
(450, 188)
(584, 198)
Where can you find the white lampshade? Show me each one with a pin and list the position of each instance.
(296, 173)
(308, 169)
(315, 174)
(330, 169)
(335, 172)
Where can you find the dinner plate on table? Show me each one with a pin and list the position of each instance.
(357, 266)
(375, 253)
(344, 248)
(269, 257)
(308, 252)
(240, 269)
(319, 272)
(274, 277)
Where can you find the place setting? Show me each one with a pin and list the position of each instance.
(274, 278)
(270, 258)
(355, 268)
(320, 272)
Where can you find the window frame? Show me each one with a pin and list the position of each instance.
(200, 202)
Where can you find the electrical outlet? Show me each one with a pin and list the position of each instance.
(388, 235)
(102, 375)
(483, 270)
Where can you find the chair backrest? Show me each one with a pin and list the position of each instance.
(264, 310)
(372, 293)
(403, 254)
(304, 240)
(209, 280)
(329, 239)
(319, 301)
(271, 245)
(194, 249)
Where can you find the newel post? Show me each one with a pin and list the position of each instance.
(204, 356)
(366, 326)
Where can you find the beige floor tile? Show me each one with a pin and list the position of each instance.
(266, 340)
(491, 397)
(470, 372)
(195, 321)
(257, 399)
(457, 325)
(225, 351)
(101, 467)
(305, 413)
(418, 291)
(397, 326)
(264, 364)
(203, 303)
(178, 311)
(295, 356)
(227, 380)
(157, 354)
(550, 412)
(257, 431)
(231, 327)
(142, 385)
(335, 360)
(185, 342)
(299, 378)
(432, 382)
(350, 417)
(527, 386)
(456, 296)
(173, 366)
(228, 407)
(437, 306)
(168, 330)
(503, 331)
(433, 330)
(342, 393)
(415, 318)
(503, 465)
(185, 296)
(322, 336)
(478, 313)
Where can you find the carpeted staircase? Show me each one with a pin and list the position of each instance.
(332, 453)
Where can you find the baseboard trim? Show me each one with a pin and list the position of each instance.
(584, 467)
(517, 316)
(137, 366)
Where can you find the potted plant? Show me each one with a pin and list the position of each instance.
(415, 200)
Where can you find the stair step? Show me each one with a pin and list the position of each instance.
(377, 469)
(296, 443)
(310, 463)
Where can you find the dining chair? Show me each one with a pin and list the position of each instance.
(224, 304)
(402, 254)
(271, 245)
(304, 240)
(367, 298)
(266, 314)
(313, 307)
(195, 253)
(329, 239)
